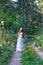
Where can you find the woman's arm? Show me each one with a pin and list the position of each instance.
(18, 34)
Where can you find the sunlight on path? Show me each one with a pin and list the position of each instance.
(16, 59)
(40, 53)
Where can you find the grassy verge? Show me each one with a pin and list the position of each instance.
(7, 45)
(29, 57)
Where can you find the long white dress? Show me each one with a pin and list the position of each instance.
(19, 45)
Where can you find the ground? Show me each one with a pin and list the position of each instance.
(16, 59)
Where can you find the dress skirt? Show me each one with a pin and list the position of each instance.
(19, 45)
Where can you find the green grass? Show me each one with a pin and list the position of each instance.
(7, 45)
(39, 41)
(29, 57)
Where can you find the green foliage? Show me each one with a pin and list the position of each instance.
(30, 15)
(7, 46)
(39, 41)
(7, 14)
(29, 57)
(25, 15)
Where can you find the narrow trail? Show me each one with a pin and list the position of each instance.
(16, 59)
(39, 52)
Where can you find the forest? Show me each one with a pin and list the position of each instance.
(27, 14)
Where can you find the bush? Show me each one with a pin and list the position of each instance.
(7, 46)
(39, 41)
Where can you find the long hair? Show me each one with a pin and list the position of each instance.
(21, 30)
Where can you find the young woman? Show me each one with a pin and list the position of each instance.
(19, 45)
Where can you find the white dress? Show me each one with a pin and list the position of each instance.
(19, 45)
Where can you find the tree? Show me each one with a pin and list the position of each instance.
(7, 14)
(29, 12)
(40, 6)
(41, 10)
(26, 14)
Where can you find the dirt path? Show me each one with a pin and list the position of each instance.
(39, 52)
(16, 59)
